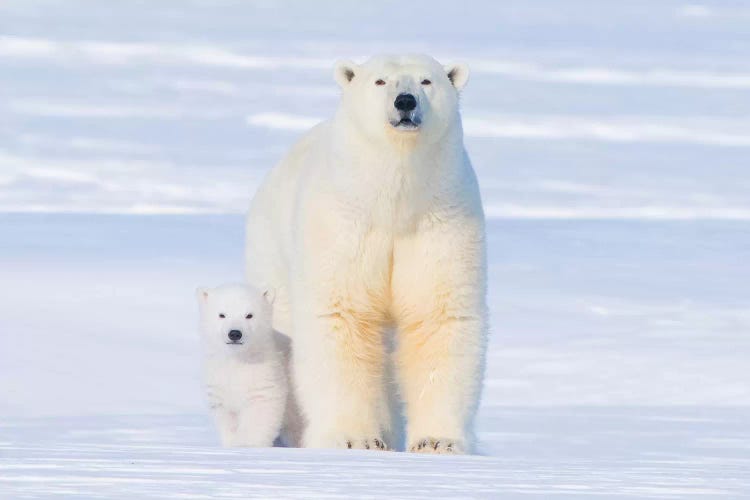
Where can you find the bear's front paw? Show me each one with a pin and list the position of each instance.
(366, 444)
(345, 440)
(437, 445)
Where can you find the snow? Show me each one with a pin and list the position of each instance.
(611, 145)
(615, 453)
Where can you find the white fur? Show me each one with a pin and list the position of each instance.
(245, 381)
(364, 227)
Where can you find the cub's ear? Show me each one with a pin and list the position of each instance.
(201, 294)
(344, 73)
(458, 74)
(269, 294)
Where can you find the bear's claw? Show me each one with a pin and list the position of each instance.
(367, 444)
(436, 445)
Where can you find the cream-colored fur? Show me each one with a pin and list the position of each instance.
(368, 225)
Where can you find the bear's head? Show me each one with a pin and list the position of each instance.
(235, 318)
(400, 97)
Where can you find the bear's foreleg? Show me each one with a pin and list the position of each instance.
(339, 300)
(440, 310)
(338, 365)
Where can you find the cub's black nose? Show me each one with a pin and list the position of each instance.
(405, 102)
(235, 335)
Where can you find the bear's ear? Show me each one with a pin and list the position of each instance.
(458, 74)
(344, 72)
(201, 294)
(269, 294)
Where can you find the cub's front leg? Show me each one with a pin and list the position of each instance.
(226, 424)
(259, 425)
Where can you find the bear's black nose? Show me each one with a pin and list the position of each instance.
(235, 335)
(405, 102)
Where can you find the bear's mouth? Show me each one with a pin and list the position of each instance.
(235, 342)
(406, 123)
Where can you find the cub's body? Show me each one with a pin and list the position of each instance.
(244, 367)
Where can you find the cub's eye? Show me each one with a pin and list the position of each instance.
(222, 316)
(379, 82)
(249, 316)
(426, 82)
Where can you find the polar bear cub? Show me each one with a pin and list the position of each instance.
(243, 365)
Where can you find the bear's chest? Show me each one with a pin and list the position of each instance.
(234, 384)
(392, 202)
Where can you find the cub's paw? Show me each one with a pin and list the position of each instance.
(366, 444)
(437, 446)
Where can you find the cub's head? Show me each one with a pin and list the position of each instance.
(235, 318)
(401, 97)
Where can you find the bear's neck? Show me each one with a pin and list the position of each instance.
(397, 181)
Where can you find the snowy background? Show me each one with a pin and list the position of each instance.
(611, 140)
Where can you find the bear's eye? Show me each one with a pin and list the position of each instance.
(249, 316)
(379, 82)
(426, 82)
(222, 316)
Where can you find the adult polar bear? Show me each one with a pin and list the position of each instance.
(373, 222)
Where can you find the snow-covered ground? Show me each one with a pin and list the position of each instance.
(611, 140)
(557, 452)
